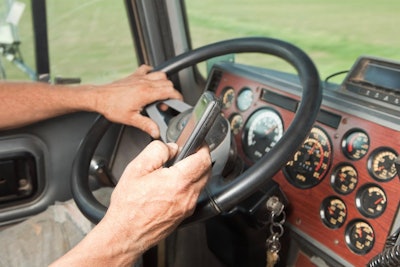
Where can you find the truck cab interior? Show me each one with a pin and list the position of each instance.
(308, 146)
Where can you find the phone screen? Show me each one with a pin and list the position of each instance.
(204, 113)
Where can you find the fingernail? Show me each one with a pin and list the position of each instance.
(154, 133)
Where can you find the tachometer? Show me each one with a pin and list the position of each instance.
(262, 131)
(311, 162)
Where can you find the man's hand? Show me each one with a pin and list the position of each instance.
(122, 101)
(156, 199)
(147, 204)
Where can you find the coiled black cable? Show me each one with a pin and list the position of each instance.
(390, 256)
(393, 239)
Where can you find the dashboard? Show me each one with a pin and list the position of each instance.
(341, 184)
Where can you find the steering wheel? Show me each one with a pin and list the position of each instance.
(223, 196)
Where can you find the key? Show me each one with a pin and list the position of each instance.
(273, 246)
(272, 258)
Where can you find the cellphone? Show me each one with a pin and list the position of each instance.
(193, 135)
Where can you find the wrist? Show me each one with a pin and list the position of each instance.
(103, 246)
(88, 98)
(123, 245)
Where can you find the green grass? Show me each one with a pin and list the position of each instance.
(91, 39)
(333, 33)
(87, 39)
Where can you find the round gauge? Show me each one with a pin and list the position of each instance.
(262, 131)
(344, 179)
(333, 212)
(381, 164)
(228, 97)
(236, 122)
(311, 162)
(245, 99)
(360, 237)
(355, 144)
(371, 200)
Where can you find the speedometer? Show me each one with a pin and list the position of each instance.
(262, 131)
(311, 162)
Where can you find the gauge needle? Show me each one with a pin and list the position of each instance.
(330, 210)
(378, 201)
(271, 130)
(359, 232)
(311, 151)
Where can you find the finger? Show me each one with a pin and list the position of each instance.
(143, 70)
(160, 83)
(195, 166)
(153, 157)
(157, 75)
(162, 93)
(145, 124)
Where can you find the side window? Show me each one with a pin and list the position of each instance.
(16, 40)
(89, 40)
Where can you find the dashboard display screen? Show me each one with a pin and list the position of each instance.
(382, 76)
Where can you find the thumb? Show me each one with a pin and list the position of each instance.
(153, 157)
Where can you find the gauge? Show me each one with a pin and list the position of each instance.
(344, 179)
(262, 131)
(355, 144)
(311, 162)
(360, 236)
(381, 164)
(236, 122)
(228, 97)
(371, 200)
(333, 212)
(245, 99)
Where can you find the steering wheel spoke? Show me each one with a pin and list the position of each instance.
(157, 115)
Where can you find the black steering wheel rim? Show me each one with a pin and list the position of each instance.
(250, 180)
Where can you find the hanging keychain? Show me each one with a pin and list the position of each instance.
(276, 230)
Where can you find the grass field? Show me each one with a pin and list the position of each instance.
(333, 33)
(91, 39)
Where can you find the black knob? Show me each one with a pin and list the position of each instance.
(397, 164)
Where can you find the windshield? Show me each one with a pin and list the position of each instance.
(84, 42)
(333, 33)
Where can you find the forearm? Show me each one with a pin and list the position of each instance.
(105, 245)
(28, 102)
